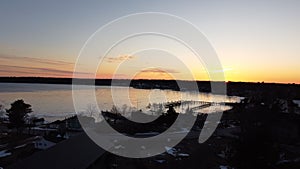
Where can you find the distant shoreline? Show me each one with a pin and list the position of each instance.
(56, 80)
(243, 89)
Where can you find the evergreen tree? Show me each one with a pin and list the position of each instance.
(18, 113)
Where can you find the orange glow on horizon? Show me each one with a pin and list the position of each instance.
(30, 67)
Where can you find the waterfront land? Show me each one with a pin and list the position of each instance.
(243, 89)
(262, 131)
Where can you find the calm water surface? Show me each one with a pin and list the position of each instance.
(55, 101)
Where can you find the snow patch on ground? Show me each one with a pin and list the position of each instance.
(4, 153)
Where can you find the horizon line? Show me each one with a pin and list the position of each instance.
(229, 81)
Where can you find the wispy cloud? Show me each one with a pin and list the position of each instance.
(8, 70)
(159, 70)
(28, 66)
(12, 59)
(157, 73)
(119, 58)
(112, 76)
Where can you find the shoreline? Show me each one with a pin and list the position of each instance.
(242, 89)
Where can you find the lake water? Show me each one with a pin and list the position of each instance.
(55, 101)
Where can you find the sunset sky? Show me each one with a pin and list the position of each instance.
(255, 40)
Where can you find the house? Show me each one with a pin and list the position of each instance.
(78, 152)
(42, 144)
(38, 121)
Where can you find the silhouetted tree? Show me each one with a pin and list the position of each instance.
(171, 111)
(257, 148)
(18, 113)
(114, 110)
(62, 129)
(1, 110)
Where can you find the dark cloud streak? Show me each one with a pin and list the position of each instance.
(12, 58)
(36, 70)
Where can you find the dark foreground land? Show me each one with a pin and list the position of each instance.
(251, 135)
(254, 134)
(261, 132)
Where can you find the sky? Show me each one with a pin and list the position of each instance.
(255, 40)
